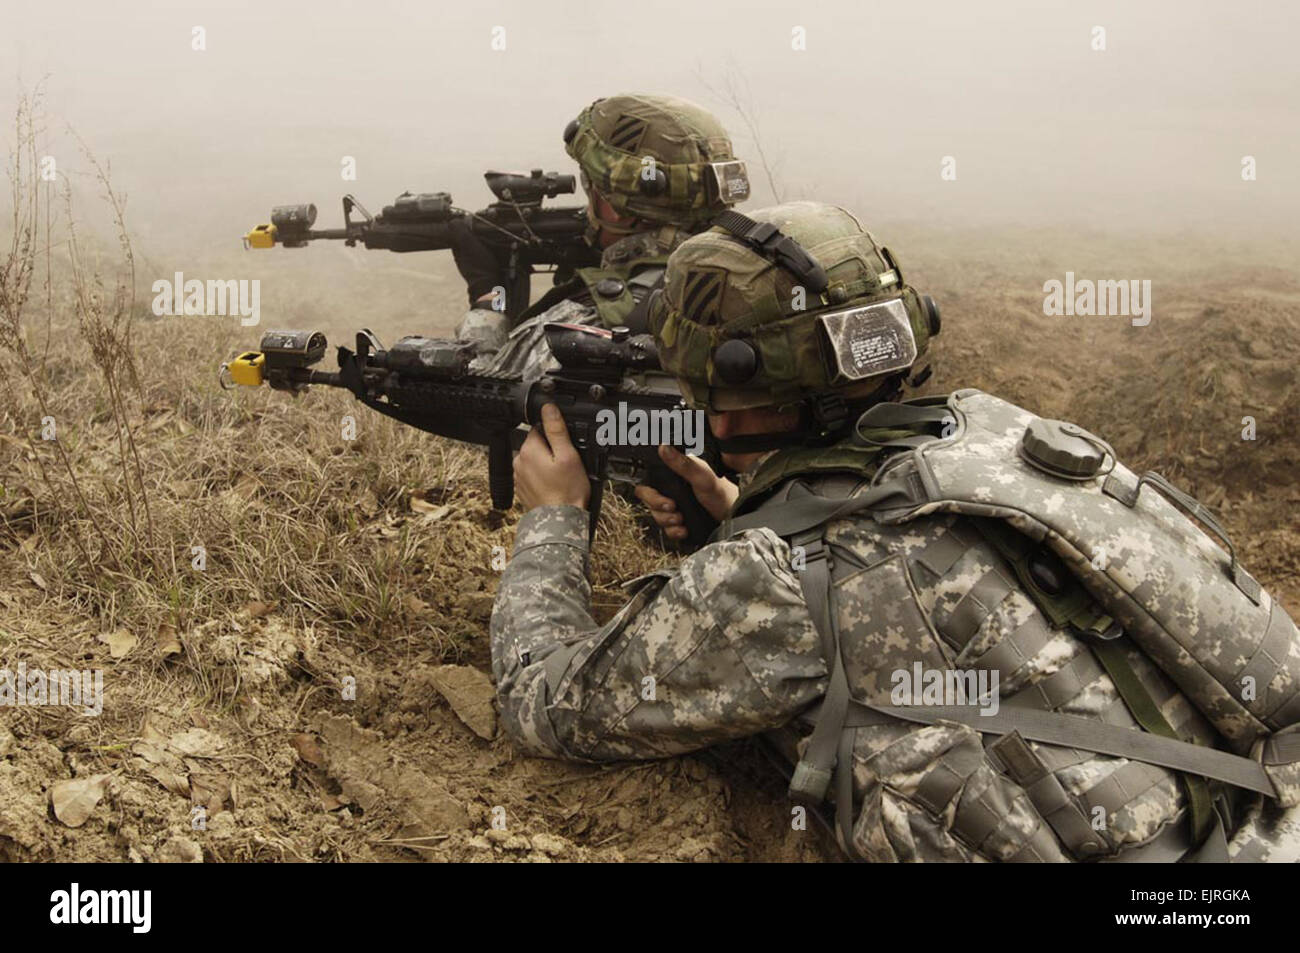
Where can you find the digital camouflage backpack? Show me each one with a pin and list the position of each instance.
(799, 306)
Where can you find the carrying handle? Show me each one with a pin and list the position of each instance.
(1194, 508)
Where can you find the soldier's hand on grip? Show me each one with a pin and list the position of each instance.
(548, 470)
(715, 494)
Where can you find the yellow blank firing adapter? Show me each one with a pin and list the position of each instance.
(246, 369)
(262, 236)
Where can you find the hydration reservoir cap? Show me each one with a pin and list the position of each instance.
(1062, 449)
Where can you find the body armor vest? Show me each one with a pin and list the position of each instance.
(619, 287)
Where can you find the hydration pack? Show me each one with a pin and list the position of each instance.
(1149, 572)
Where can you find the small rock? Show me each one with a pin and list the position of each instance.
(550, 844)
(120, 642)
(179, 850)
(470, 694)
(78, 733)
(222, 824)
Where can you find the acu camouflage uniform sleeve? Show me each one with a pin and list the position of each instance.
(721, 649)
(522, 352)
(725, 648)
(487, 331)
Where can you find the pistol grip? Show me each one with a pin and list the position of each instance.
(696, 519)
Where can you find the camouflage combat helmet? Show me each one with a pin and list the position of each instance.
(797, 303)
(657, 158)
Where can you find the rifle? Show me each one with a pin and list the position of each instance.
(426, 383)
(525, 237)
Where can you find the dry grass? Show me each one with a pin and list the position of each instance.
(313, 539)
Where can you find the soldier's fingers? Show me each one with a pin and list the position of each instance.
(653, 499)
(694, 470)
(533, 445)
(557, 434)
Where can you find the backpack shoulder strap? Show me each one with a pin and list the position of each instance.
(829, 753)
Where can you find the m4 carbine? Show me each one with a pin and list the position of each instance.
(426, 383)
(524, 236)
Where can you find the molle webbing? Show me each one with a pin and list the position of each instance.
(619, 293)
(796, 516)
(1069, 604)
(1190, 608)
(1023, 512)
(1064, 813)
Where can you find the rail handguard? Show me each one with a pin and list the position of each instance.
(426, 383)
(524, 236)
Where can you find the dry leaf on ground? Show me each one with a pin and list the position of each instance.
(74, 801)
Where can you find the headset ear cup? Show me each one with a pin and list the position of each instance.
(655, 185)
(570, 131)
(932, 315)
(736, 362)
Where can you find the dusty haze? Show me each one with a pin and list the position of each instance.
(1146, 136)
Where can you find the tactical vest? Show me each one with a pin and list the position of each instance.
(619, 288)
(1099, 550)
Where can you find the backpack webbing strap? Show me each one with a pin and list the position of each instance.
(1150, 717)
(1215, 848)
(890, 415)
(1072, 731)
(1072, 606)
(896, 426)
(812, 776)
(1065, 813)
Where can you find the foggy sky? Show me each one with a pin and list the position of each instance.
(1147, 135)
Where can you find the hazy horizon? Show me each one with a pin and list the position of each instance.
(1147, 135)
